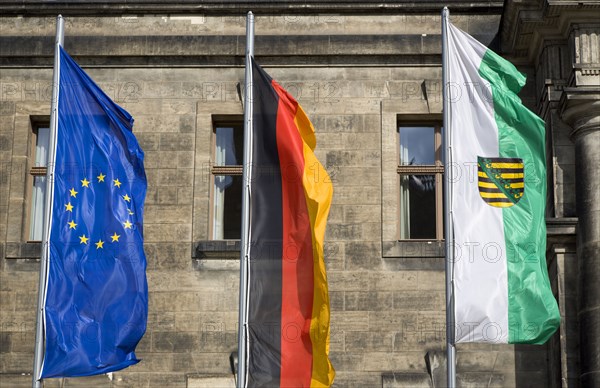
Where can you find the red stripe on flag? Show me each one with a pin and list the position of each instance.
(297, 260)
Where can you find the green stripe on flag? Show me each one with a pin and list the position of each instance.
(533, 314)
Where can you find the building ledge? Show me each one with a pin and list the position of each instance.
(216, 250)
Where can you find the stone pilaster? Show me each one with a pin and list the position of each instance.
(581, 110)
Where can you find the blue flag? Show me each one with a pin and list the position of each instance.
(97, 297)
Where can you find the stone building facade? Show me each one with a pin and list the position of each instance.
(362, 71)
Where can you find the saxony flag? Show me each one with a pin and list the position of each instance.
(498, 196)
(288, 302)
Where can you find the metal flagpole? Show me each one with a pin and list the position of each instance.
(448, 231)
(39, 330)
(246, 178)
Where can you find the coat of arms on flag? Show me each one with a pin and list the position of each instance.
(500, 180)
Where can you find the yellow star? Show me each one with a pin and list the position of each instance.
(73, 192)
(72, 224)
(69, 207)
(117, 183)
(115, 237)
(127, 198)
(100, 244)
(127, 224)
(130, 212)
(101, 177)
(85, 182)
(83, 239)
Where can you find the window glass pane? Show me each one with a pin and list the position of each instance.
(229, 146)
(417, 207)
(37, 208)
(227, 207)
(417, 145)
(41, 147)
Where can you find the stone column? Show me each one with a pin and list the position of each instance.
(581, 109)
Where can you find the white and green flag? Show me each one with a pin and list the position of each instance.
(498, 196)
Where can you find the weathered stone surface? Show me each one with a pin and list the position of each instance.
(358, 70)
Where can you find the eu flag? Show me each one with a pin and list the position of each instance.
(96, 303)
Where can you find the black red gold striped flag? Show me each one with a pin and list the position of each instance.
(288, 301)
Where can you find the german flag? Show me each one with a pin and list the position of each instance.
(288, 301)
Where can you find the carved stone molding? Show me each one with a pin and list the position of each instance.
(581, 110)
(527, 24)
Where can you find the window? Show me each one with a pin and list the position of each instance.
(37, 172)
(420, 172)
(227, 178)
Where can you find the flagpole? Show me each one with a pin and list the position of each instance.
(45, 254)
(448, 231)
(246, 179)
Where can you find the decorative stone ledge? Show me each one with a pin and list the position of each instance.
(75, 7)
(216, 250)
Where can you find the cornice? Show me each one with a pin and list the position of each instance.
(107, 7)
(527, 24)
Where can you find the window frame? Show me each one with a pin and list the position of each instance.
(436, 169)
(36, 122)
(221, 121)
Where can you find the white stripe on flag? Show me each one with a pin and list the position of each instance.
(480, 270)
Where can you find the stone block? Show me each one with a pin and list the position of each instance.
(329, 141)
(155, 362)
(368, 301)
(432, 280)
(16, 380)
(393, 281)
(219, 381)
(362, 255)
(185, 195)
(405, 379)
(419, 300)
(159, 320)
(167, 232)
(349, 321)
(338, 123)
(218, 341)
(336, 300)
(176, 142)
(26, 301)
(362, 141)
(526, 358)
(405, 361)
(148, 141)
(7, 108)
(362, 213)
(369, 342)
(175, 342)
(145, 344)
(203, 362)
(16, 363)
(419, 336)
(348, 281)
(132, 378)
(5, 342)
(485, 361)
(207, 321)
(344, 232)
(169, 213)
(7, 301)
(390, 320)
(5, 142)
(343, 361)
(357, 379)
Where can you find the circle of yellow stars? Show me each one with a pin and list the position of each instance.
(85, 183)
